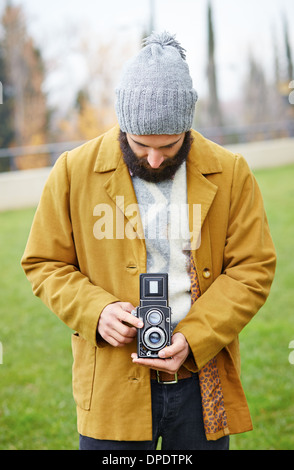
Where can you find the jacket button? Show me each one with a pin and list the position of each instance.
(206, 273)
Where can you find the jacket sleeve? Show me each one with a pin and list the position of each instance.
(239, 291)
(50, 260)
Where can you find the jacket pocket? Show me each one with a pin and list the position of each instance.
(83, 371)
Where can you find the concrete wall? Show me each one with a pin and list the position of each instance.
(23, 188)
(266, 154)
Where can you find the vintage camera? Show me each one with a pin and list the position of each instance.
(155, 314)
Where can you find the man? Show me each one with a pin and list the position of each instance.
(109, 212)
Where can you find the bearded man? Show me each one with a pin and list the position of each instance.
(88, 275)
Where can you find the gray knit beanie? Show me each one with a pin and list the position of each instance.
(155, 95)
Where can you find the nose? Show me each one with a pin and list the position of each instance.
(155, 158)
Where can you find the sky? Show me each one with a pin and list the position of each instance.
(241, 27)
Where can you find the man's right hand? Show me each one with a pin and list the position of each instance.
(112, 324)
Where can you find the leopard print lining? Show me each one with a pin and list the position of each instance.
(214, 413)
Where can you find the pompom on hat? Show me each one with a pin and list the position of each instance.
(155, 94)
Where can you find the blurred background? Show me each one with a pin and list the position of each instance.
(59, 64)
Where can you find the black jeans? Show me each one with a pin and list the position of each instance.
(177, 418)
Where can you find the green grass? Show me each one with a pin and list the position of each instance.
(36, 405)
(37, 410)
(267, 374)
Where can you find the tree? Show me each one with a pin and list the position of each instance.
(24, 76)
(256, 93)
(6, 107)
(214, 110)
(93, 111)
(290, 69)
(284, 76)
(88, 123)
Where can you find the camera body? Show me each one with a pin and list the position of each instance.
(155, 314)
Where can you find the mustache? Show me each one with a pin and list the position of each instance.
(168, 162)
(142, 169)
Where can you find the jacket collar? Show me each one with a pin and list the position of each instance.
(109, 152)
(202, 160)
(203, 154)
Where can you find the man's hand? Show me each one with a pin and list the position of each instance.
(116, 324)
(172, 356)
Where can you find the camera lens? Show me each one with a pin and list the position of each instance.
(154, 317)
(154, 338)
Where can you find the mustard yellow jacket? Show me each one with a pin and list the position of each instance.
(77, 275)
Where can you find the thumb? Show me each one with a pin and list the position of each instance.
(179, 343)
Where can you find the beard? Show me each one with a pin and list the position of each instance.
(140, 167)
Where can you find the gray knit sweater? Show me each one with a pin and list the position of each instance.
(163, 210)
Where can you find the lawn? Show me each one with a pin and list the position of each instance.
(37, 410)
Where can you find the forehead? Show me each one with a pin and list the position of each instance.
(156, 141)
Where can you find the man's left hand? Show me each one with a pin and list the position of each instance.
(171, 357)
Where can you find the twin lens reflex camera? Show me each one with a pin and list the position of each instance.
(155, 314)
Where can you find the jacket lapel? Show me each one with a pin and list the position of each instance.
(202, 161)
(119, 186)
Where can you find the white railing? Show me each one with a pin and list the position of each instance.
(11, 157)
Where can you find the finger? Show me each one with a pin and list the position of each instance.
(171, 366)
(169, 351)
(127, 306)
(115, 331)
(111, 328)
(113, 342)
(117, 340)
(125, 330)
(178, 345)
(113, 319)
(131, 319)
